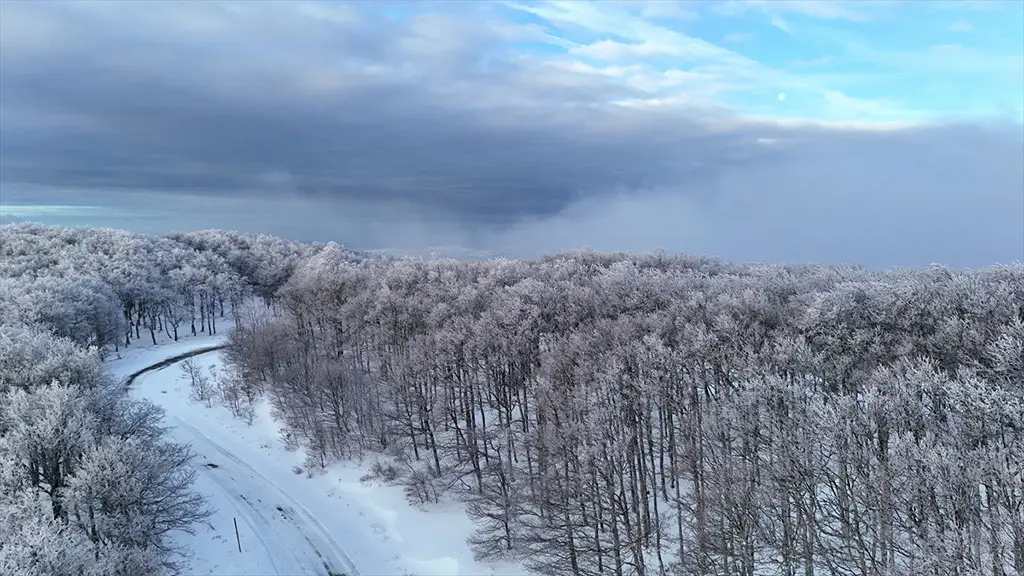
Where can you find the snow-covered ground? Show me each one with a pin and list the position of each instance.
(289, 523)
(143, 353)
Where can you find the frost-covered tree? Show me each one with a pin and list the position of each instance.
(608, 413)
(633, 414)
(133, 492)
(88, 483)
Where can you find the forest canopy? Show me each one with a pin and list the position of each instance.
(596, 413)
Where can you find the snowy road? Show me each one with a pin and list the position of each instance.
(289, 523)
(285, 537)
(245, 481)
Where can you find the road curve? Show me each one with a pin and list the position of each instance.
(277, 533)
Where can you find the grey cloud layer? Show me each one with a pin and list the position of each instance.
(952, 196)
(427, 131)
(243, 114)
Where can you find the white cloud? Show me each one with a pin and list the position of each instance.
(780, 23)
(613, 50)
(853, 11)
(640, 40)
(844, 106)
(609, 20)
(972, 5)
(960, 26)
(663, 9)
(738, 37)
(822, 61)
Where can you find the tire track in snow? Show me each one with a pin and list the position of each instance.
(247, 518)
(341, 560)
(257, 522)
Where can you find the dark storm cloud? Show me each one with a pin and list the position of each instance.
(241, 114)
(306, 119)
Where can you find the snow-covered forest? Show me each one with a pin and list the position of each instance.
(595, 413)
(89, 483)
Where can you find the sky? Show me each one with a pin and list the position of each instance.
(883, 133)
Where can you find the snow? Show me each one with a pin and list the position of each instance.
(142, 353)
(291, 523)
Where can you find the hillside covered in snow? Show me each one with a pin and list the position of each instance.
(579, 414)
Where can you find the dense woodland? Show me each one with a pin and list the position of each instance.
(628, 414)
(89, 485)
(598, 414)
